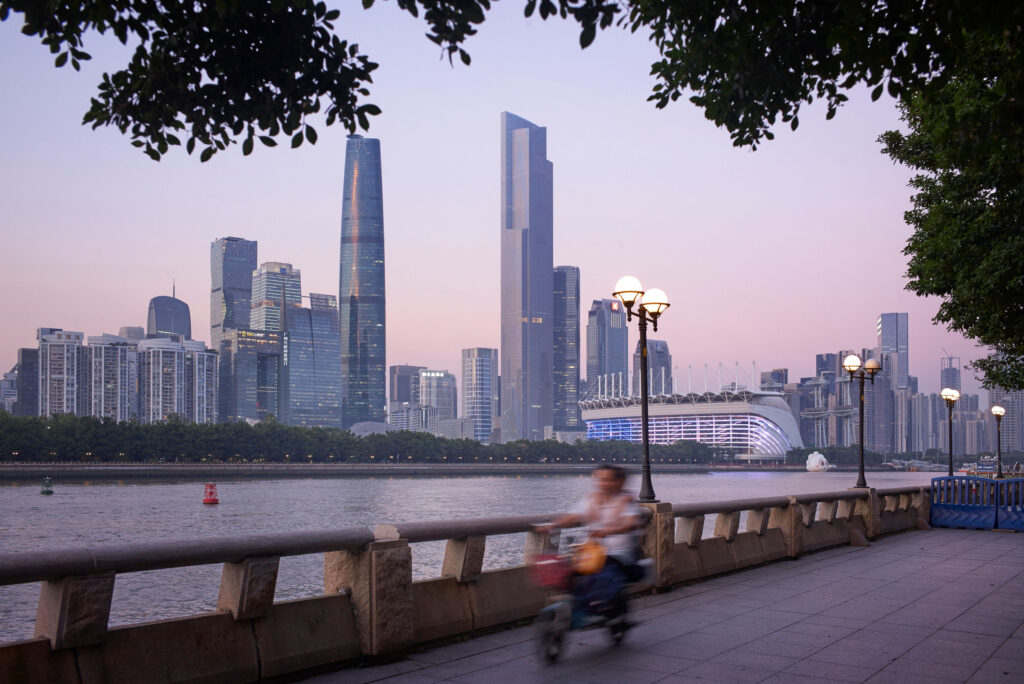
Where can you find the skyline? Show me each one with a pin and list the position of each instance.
(747, 245)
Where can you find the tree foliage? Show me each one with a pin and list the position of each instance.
(218, 72)
(966, 141)
(67, 438)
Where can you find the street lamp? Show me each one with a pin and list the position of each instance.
(650, 304)
(951, 396)
(999, 412)
(852, 365)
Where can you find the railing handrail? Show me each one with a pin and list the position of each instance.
(435, 530)
(37, 566)
(844, 495)
(893, 491)
(729, 506)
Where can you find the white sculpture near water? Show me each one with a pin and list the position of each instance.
(817, 463)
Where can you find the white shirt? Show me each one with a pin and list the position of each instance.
(612, 512)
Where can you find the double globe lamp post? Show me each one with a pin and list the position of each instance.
(950, 396)
(646, 306)
(999, 412)
(852, 365)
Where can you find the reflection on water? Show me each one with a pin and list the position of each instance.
(105, 512)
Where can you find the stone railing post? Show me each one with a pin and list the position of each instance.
(727, 525)
(247, 588)
(74, 611)
(827, 511)
(658, 542)
(790, 521)
(538, 543)
(922, 504)
(464, 558)
(689, 530)
(379, 578)
(868, 509)
(757, 520)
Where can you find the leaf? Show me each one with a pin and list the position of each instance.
(206, 154)
(296, 139)
(877, 92)
(247, 146)
(530, 7)
(367, 4)
(190, 146)
(587, 35)
(464, 56)
(794, 123)
(268, 141)
(61, 60)
(311, 135)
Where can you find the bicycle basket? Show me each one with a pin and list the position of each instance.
(550, 571)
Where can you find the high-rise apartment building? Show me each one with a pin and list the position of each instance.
(607, 349)
(270, 282)
(311, 364)
(110, 377)
(361, 302)
(232, 261)
(566, 362)
(892, 331)
(527, 261)
(949, 372)
(202, 383)
(168, 317)
(161, 380)
(437, 390)
(27, 403)
(480, 391)
(659, 368)
(63, 372)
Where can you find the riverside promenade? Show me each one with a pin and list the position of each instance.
(924, 606)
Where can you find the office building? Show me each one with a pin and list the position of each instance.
(232, 261)
(110, 379)
(404, 384)
(311, 364)
(949, 372)
(361, 301)
(774, 380)
(169, 317)
(607, 349)
(659, 368)
(892, 331)
(437, 390)
(27, 403)
(526, 274)
(270, 282)
(63, 372)
(250, 362)
(566, 362)
(480, 391)
(9, 390)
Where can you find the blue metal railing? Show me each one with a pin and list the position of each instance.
(977, 503)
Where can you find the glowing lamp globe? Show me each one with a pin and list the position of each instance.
(998, 411)
(872, 366)
(654, 301)
(949, 394)
(851, 363)
(628, 289)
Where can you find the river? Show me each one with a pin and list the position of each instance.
(107, 512)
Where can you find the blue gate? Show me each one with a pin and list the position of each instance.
(1010, 515)
(968, 502)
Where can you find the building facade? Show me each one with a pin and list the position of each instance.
(63, 372)
(250, 362)
(270, 282)
(110, 377)
(361, 300)
(311, 365)
(480, 391)
(438, 391)
(892, 340)
(659, 368)
(167, 317)
(161, 380)
(607, 349)
(527, 262)
(566, 362)
(232, 261)
(27, 403)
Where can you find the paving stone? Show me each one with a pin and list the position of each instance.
(834, 672)
(763, 661)
(721, 672)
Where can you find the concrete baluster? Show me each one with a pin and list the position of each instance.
(379, 577)
(538, 543)
(727, 525)
(689, 530)
(74, 611)
(247, 588)
(827, 511)
(846, 509)
(757, 520)
(808, 512)
(658, 543)
(464, 558)
(868, 509)
(789, 521)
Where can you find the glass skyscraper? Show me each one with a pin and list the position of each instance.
(168, 316)
(232, 261)
(566, 363)
(268, 282)
(607, 349)
(659, 368)
(249, 371)
(892, 339)
(361, 288)
(527, 221)
(311, 365)
(480, 390)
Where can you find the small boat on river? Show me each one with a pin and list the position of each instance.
(47, 487)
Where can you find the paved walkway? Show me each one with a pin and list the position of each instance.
(938, 606)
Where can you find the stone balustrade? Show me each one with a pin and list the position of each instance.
(371, 605)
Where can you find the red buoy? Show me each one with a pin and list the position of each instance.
(210, 494)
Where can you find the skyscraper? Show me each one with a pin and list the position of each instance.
(161, 380)
(311, 365)
(361, 288)
(404, 384)
(892, 339)
(232, 261)
(168, 316)
(250, 362)
(659, 368)
(27, 403)
(480, 390)
(63, 372)
(949, 372)
(527, 221)
(437, 390)
(110, 381)
(202, 383)
(268, 281)
(607, 349)
(566, 331)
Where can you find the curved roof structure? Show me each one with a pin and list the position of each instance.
(757, 424)
(168, 316)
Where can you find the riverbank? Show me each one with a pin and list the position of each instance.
(214, 471)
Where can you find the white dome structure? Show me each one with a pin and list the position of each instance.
(817, 463)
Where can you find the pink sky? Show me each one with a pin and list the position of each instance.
(768, 256)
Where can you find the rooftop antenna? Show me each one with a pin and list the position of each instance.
(736, 382)
(689, 380)
(174, 286)
(754, 380)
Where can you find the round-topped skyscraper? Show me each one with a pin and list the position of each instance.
(361, 284)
